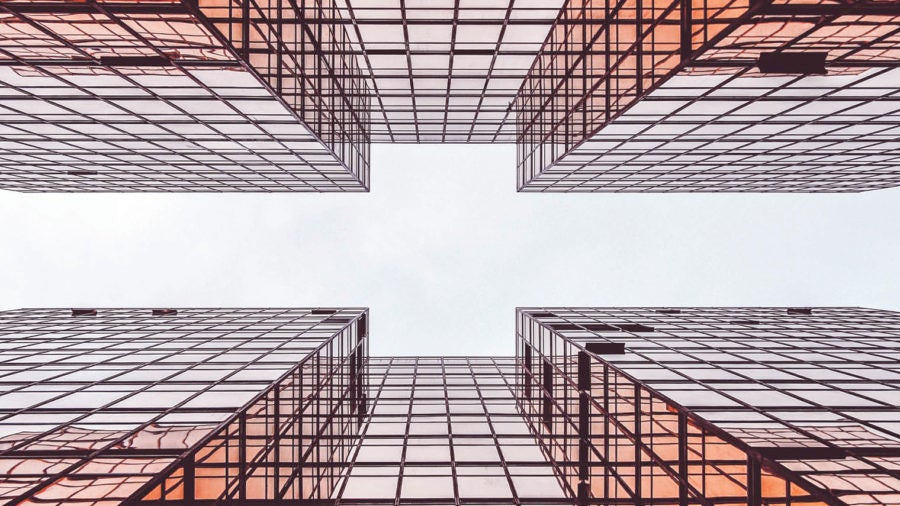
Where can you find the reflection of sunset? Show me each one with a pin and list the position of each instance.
(119, 457)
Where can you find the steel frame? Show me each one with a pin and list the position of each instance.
(600, 406)
(667, 97)
(121, 406)
(174, 95)
(446, 431)
(715, 405)
(275, 95)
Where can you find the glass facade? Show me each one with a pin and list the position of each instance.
(188, 406)
(626, 96)
(707, 406)
(165, 95)
(713, 95)
(447, 430)
(715, 405)
(446, 71)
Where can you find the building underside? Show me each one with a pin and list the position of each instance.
(233, 95)
(599, 406)
(714, 95)
(716, 405)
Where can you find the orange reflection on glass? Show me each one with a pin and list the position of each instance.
(106, 477)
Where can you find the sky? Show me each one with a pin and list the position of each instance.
(443, 249)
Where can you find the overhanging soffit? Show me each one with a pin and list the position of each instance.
(278, 95)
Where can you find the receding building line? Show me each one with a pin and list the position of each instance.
(710, 96)
(261, 406)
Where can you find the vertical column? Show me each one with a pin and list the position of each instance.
(686, 30)
(639, 48)
(189, 477)
(606, 424)
(242, 457)
(547, 412)
(754, 486)
(276, 436)
(245, 30)
(527, 375)
(682, 460)
(361, 354)
(638, 451)
(584, 426)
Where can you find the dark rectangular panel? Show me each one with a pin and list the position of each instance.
(547, 413)
(792, 63)
(605, 347)
(600, 327)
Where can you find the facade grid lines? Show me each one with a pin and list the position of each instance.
(757, 406)
(716, 405)
(671, 97)
(196, 405)
(132, 96)
(614, 96)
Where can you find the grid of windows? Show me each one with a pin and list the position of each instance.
(716, 405)
(115, 406)
(447, 430)
(246, 406)
(630, 96)
(171, 96)
(671, 96)
(702, 406)
(445, 70)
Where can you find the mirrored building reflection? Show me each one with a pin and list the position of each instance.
(611, 96)
(599, 406)
(171, 95)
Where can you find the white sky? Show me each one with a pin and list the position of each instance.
(443, 249)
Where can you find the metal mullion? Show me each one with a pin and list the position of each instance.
(612, 69)
(323, 61)
(452, 53)
(356, 22)
(537, 430)
(206, 88)
(37, 120)
(147, 43)
(127, 78)
(118, 441)
(297, 449)
(490, 69)
(188, 453)
(706, 94)
(561, 80)
(409, 69)
(363, 434)
(495, 439)
(201, 19)
(449, 417)
(412, 390)
(95, 383)
(723, 435)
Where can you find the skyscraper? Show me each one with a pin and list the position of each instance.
(599, 406)
(716, 405)
(178, 95)
(713, 95)
(189, 406)
(216, 95)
